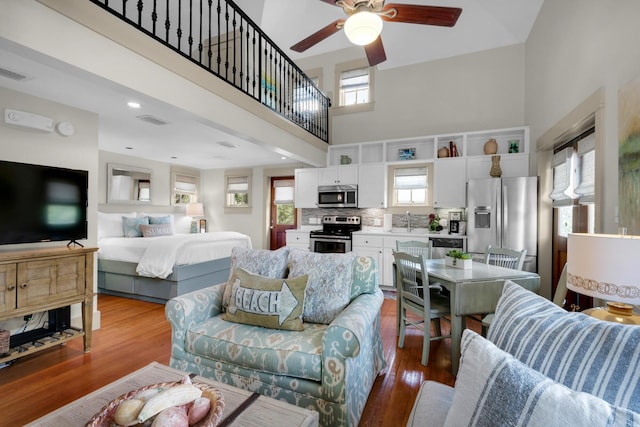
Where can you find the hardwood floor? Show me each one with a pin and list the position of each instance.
(135, 333)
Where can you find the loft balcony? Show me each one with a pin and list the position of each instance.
(219, 37)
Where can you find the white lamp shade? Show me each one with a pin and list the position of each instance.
(604, 266)
(194, 209)
(363, 27)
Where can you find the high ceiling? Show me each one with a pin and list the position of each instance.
(191, 142)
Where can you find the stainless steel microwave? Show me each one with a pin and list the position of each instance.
(338, 196)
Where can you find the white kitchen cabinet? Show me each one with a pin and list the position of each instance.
(334, 175)
(306, 188)
(372, 186)
(450, 176)
(298, 239)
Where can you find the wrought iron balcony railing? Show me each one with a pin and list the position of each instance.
(218, 36)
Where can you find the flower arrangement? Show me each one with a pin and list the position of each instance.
(434, 222)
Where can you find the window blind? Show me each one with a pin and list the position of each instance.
(237, 184)
(587, 156)
(564, 165)
(284, 190)
(410, 178)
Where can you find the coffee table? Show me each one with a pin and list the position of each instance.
(264, 411)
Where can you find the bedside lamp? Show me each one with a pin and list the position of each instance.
(606, 266)
(195, 210)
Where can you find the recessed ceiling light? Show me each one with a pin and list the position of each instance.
(283, 158)
(133, 104)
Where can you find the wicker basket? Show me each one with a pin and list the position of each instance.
(104, 418)
(4, 341)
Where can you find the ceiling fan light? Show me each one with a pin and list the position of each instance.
(363, 27)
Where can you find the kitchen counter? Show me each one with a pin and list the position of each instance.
(402, 232)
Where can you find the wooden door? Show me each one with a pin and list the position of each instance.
(283, 214)
(7, 287)
(45, 281)
(569, 219)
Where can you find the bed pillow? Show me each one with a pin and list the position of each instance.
(330, 279)
(164, 220)
(493, 387)
(131, 226)
(154, 230)
(267, 302)
(263, 262)
(110, 225)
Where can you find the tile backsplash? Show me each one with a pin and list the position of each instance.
(369, 216)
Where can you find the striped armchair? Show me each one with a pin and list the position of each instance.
(543, 364)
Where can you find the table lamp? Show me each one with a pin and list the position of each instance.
(195, 210)
(606, 266)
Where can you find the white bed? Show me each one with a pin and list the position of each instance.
(160, 268)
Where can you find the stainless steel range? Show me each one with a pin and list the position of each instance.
(335, 236)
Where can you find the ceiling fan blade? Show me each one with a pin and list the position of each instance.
(375, 52)
(318, 36)
(426, 15)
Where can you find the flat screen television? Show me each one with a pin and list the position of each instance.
(42, 203)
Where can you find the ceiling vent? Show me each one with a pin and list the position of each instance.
(13, 75)
(153, 120)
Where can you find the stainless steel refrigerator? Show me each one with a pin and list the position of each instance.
(503, 212)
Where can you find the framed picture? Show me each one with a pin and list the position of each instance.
(203, 226)
(406, 153)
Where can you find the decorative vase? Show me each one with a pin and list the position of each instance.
(443, 152)
(495, 171)
(491, 146)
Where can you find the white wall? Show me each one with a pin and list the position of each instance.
(576, 48)
(483, 90)
(79, 151)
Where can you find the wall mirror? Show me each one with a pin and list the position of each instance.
(128, 184)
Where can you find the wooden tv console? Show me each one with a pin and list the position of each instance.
(38, 280)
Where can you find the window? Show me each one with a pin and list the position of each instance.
(185, 184)
(237, 191)
(354, 86)
(283, 199)
(306, 97)
(411, 186)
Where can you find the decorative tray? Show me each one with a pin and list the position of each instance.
(104, 418)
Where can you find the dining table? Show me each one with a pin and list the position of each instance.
(473, 291)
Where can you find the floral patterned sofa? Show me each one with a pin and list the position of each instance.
(328, 358)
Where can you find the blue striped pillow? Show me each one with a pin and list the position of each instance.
(578, 351)
(493, 388)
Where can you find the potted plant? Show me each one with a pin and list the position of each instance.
(458, 259)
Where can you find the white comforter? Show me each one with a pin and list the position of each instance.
(156, 256)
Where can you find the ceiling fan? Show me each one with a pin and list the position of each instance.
(364, 23)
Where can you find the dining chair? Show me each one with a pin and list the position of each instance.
(501, 257)
(415, 247)
(558, 299)
(505, 257)
(416, 307)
